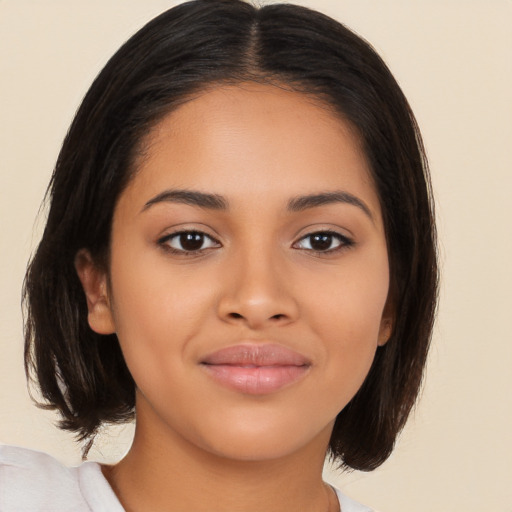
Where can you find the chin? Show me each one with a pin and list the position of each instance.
(265, 441)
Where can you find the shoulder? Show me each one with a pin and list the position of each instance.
(349, 505)
(35, 481)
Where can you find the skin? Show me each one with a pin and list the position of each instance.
(257, 279)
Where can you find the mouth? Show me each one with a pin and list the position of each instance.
(256, 369)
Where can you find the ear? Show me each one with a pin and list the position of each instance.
(386, 324)
(94, 283)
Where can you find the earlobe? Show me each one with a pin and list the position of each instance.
(386, 324)
(94, 283)
(386, 328)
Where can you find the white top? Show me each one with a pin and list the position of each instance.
(32, 481)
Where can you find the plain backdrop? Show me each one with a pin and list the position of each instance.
(453, 59)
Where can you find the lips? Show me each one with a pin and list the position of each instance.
(256, 369)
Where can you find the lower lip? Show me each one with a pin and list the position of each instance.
(256, 380)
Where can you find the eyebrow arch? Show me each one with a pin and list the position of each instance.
(298, 204)
(190, 197)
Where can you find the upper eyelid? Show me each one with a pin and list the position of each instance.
(325, 227)
(334, 234)
(181, 230)
(327, 231)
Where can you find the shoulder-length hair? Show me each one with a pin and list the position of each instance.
(190, 47)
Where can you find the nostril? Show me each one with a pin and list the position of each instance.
(279, 316)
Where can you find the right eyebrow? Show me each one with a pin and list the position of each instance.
(190, 197)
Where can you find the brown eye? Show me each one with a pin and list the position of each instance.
(323, 241)
(191, 241)
(188, 241)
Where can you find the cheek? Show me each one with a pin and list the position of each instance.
(156, 312)
(347, 317)
(352, 300)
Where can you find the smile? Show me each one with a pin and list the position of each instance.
(256, 369)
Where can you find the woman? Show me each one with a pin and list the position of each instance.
(240, 253)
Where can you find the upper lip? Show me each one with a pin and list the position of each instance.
(251, 354)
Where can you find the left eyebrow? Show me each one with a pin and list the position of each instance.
(300, 203)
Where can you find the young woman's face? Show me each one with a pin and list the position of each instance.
(249, 273)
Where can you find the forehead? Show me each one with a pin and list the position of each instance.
(254, 139)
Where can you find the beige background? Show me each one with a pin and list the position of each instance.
(453, 59)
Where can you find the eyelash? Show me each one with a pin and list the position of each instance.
(164, 242)
(344, 241)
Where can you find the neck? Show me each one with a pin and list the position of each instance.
(164, 472)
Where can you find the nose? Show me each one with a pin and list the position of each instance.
(257, 292)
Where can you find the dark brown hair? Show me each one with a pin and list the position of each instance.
(184, 50)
